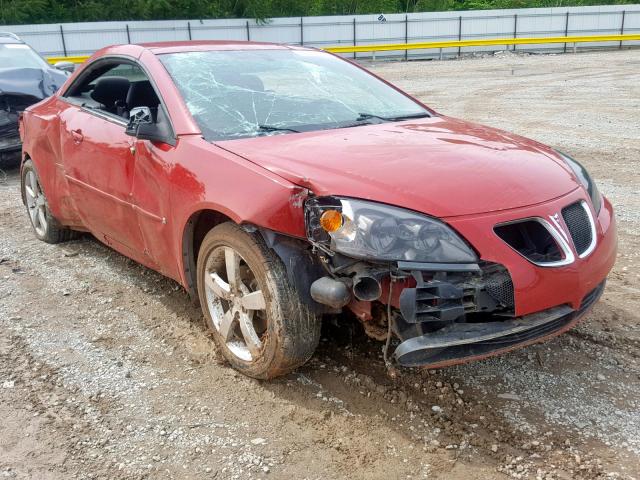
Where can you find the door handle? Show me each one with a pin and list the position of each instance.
(77, 136)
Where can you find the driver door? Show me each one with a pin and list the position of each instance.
(99, 158)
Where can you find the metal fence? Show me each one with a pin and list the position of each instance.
(73, 39)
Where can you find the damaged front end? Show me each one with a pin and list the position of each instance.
(11, 106)
(19, 89)
(411, 280)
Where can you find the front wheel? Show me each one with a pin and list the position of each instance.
(258, 320)
(45, 226)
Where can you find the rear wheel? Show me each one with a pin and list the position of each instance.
(45, 226)
(257, 319)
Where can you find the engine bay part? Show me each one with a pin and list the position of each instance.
(419, 301)
(434, 317)
(9, 135)
(329, 291)
(439, 317)
(419, 295)
(367, 288)
(432, 300)
(10, 107)
(458, 341)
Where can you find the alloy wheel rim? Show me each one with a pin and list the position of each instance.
(36, 203)
(236, 303)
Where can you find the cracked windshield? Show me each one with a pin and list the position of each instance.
(239, 94)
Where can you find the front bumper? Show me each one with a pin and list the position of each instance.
(539, 288)
(464, 342)
(547, 301)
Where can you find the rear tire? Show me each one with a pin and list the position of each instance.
(256, 316)
(45, 226)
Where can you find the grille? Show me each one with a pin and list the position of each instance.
(531, 239)
(579, 225)
(500, 287)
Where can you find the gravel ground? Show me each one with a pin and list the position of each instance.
(107, 371)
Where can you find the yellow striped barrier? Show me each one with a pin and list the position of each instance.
(485, 42)
(482, 43)
(76, 59)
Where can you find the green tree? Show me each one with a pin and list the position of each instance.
(55, 11)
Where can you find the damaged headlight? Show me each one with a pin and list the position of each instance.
(375, 231)
(585, 179)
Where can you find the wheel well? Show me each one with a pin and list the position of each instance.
(23, 160)
(302, 267)
(199, 224)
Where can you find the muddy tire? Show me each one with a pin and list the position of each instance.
(45, 226)
(257, 318)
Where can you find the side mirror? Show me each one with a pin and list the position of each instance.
(142, 126)
(138, 116)
(65, 66)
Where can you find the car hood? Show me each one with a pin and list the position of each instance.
(33, 82)
(439, 165)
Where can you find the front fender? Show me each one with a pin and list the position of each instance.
(205, 177)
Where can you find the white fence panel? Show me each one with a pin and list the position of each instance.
(217, 30)
(85, 38)
(326, 31)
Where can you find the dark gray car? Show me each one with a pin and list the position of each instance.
(25, 79)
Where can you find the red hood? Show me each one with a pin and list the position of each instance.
(440, 166)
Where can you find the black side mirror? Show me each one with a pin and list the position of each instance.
(138, 116)
(142, 126)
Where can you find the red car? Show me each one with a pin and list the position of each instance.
(278, 184)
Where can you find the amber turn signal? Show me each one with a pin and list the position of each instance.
(331, 220)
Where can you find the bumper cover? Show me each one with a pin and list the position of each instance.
(539, 288)
(463, 342)
(547, 301)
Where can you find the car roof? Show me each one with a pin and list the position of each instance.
(8, 37)
(160, 48)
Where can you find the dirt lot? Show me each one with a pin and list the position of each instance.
(107, 371)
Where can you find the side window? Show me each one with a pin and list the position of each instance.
(115, 88)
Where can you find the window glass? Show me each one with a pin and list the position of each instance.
(19, 55)
(246, 93)
(133, 73)
(116, 88)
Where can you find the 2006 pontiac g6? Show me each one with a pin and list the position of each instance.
(281, 184)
